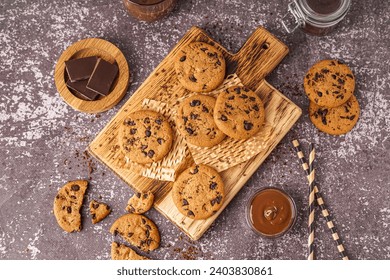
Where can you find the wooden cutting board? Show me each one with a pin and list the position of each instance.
(261, 53)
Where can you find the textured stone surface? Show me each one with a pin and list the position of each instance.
(42, 139)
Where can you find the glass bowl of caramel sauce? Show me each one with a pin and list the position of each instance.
(271, 212)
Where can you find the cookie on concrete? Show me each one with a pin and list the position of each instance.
(337, 120)
(239, 112)
(145, 136)
(200, 67)
(138, 230)
(140, 203)
(122, 252)
(196, 123)
(329, 83)
(198, 192)
(67, 205)
(98, 211)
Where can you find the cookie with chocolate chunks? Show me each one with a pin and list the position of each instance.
(98, 211)
(195, 121)
(198, 192)
(140, 203)
(329, 83)
(145, 136)
(67, 205)
(239, 112)
(122, 252)
(138, 230)
(337, 120)
(200, 67)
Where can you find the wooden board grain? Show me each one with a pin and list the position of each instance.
(259, 56)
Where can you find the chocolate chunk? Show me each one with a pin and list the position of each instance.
(158, 121)
(143, 221)
(196, 170)
(147, 233)
(183, 58)
(218, 63)
(102, 77)
(204, 109)
(148, 133)
(247, 112)
(93, 216)
(69, 209)
(256, 108)
(213, 185)
(319, 93)
(325, 71)
(145, 195)
(133, 131)
(75, 188)
(190, 213)
(195, 102)
(248, 125)
(150, 153)
(80, 87)
(252, 98)
(224, 118)
(341, 81)
(192, 78)
(237, 90)
(147, 120)
(130, 234)
(95, 205)
(231, 97)
(185, 119)
(138, 194)
(160, 140)
(189, 131)
(334, 76)
(80, 68)
(148, 227)
(193, 116)
(244, 96)
(130, 123)
(184, 202)
(144, 147)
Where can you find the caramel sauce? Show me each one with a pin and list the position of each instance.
(272, 212)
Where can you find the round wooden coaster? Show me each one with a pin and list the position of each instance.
(104, 50)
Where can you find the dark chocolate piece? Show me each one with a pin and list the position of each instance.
(80, 87)
(103, 76)
(80, 68)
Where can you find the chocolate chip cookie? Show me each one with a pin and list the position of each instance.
(239, 112)
(145, 136)
(329, 83)
(200, 67)
(195, 121)
(67, 205)
(139, 203)
(122, 252)
(337, 120)
(138, 230)
(198, 192)
(98, 211)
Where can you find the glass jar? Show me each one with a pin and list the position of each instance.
(149, 10)
(271, 212)
(316, 17)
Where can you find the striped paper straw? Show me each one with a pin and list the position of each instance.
(311, 203)
(321, 203)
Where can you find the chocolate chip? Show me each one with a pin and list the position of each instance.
(107, 207)
(57, 196)
(325, 71)
(350, 76)
(116, 232)
(130, 122)
(133, 131)
(148, 227)
(319, 93)
(218, 63)
(237, 90)
(73, 197)
(93, 216)
(247, 112)
(341, 81)
(248, 125)
(75, 188)
(132, 209)
(69, 209)
(334, 76)
(213, 185)
(158, 121)
(147, 233)
(95, 205)
(210, 54)
(148, 133)
(231, 97)
(185, 119)
(143, 221)
(150, 153)
(252, 98)
(183, 58)
(184, 202)
(244, 96)
(203, 49)
(145, 195)
(256, 108)
(189, 131)
(160, 140)
(192, 78)
(196, 170)
(195, 102)
(190, 213)
(149, 241)
(224, 118)
(144, 147)
(194, 116)
(130, 234)
(138, 194)
(204, 109)
(146, 120)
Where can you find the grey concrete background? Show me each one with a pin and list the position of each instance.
(42, 139)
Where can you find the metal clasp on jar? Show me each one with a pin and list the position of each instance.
(294, 18)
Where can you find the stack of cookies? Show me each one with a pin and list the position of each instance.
(330, 86)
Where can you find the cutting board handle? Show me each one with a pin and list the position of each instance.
(260, 54)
